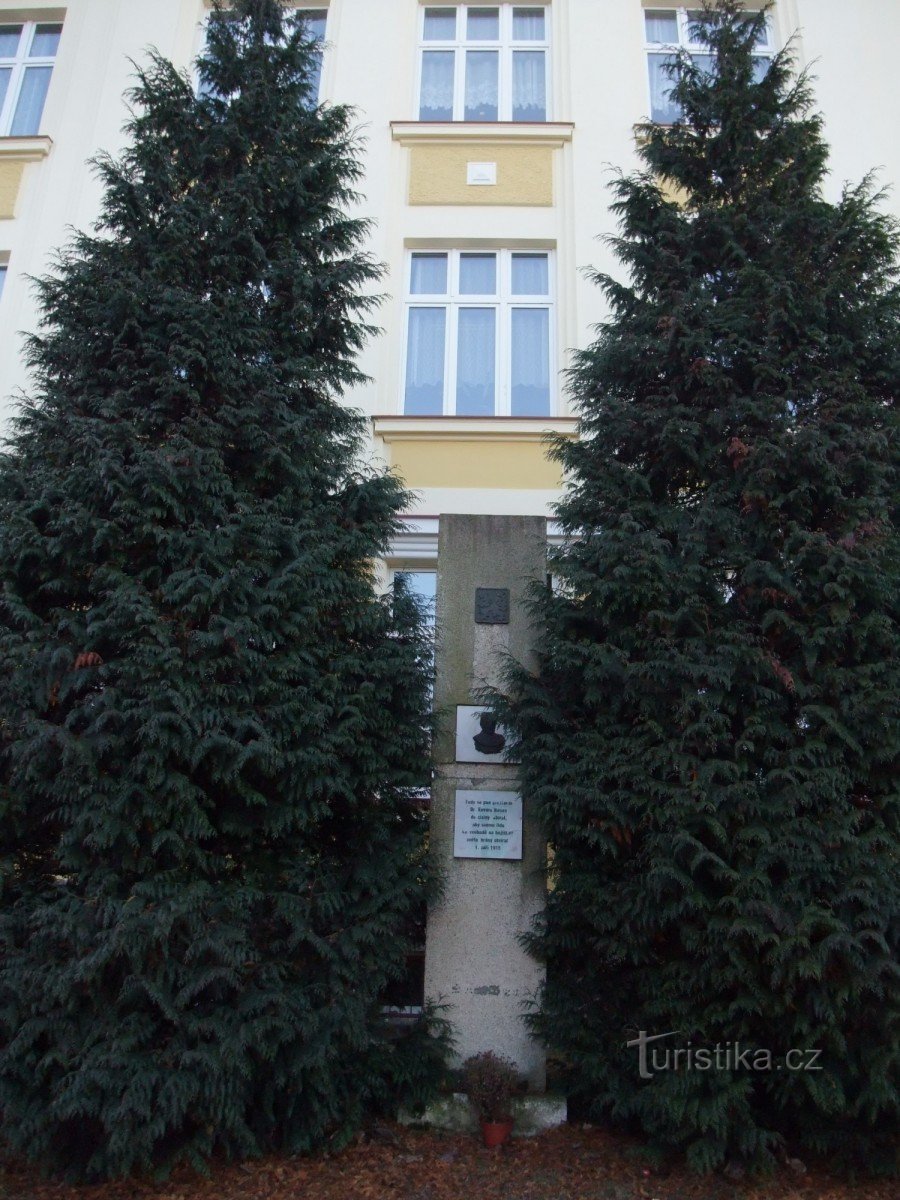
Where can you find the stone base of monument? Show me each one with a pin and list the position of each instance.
(453, 1113)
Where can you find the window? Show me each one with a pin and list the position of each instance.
(3, 270)
(668, 29)
(483, 64)
(478, 333)
(316, 20)
(422, 585)
(27, 53)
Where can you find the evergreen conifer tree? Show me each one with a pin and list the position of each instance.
(713, 735)
(212, 728)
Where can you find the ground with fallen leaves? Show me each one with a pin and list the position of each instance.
(393, 1163)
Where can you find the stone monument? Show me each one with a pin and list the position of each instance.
(491, 852)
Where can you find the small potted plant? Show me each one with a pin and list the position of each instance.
(490, 1083)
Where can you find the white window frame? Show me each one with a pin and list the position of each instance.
(683, 18)
(503, 302)
(505, 45)
(20, 63)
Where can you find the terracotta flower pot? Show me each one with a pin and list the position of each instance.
(495, 1133)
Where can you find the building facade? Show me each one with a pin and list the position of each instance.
(490, 135)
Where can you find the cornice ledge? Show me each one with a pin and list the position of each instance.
(24, 149)
(392, 428)
(545, 133)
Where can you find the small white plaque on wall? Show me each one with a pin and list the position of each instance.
(488, 825)
(478, 737)
(481, 174)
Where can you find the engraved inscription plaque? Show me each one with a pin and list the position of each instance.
(488, 825)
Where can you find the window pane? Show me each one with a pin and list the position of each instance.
(422, 584)
(2, 277)
(706, 63)
(425, 362)
(662, 27)
(529, 86)
(530, 373)
(475, 362)
(528, 24)
(481, 85)
(45, 42)
(478, 274)
(30, 105)
(315, 81)
(483, 24)
(437, 86)
(530, 275)
(316, 20)
(440, 24)
(695, 31)
(760, 67)
(428, 275)
(5, 75)
(9, 40)
(662, 108)
(763, 39)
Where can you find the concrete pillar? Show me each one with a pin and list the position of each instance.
(473, 959)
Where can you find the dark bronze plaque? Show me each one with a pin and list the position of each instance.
(492, 606)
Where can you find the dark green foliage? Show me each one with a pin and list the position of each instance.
(713, 739)
(211, 728)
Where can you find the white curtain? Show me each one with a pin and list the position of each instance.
(662, 27)
(425, 362)
(530, 275)
(528, 24)
(529, 86)
(45, 42)
(478, 274)
(440, 24)
(481, 85)
(476, 362)
(428, 276)
(662, 107)
(483, 25)
(9, 40)
(530, 367)
(30, 105)
(436, 100)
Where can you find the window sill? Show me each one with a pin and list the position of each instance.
(502, 429)
(552, 133)
(24, 149)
